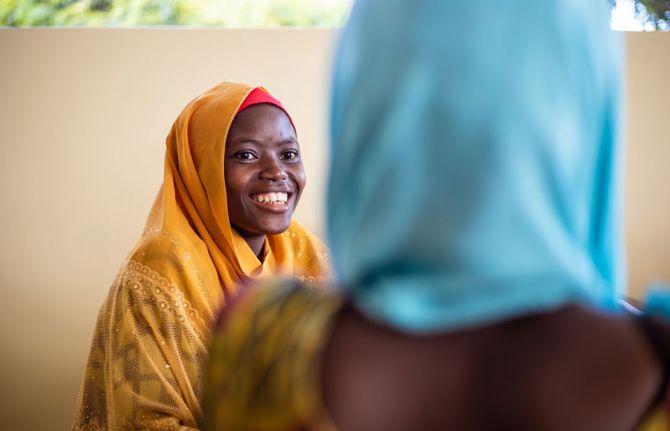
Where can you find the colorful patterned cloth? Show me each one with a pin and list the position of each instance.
(264, 367)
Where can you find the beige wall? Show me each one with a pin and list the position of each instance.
(648, 164)
(84, 114)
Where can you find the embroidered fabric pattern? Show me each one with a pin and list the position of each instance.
(157, 290)
(159, 235)
(147, 346)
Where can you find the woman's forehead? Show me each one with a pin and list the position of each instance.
(260, 113)
(262, 119)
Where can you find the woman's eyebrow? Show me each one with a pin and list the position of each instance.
(288, 141)
(244, 140)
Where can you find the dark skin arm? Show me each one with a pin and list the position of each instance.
(571, 369)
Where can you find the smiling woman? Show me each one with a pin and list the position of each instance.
(232, 179)
(264, 172)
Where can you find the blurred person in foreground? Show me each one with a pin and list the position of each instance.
(233, 177)
(474, 218)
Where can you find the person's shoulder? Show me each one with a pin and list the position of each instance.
(176, 258)
(283, 294)
(165, 274)
(142, 291)
(297, 233)
(311, 255)
(268, 341)
(164, 251)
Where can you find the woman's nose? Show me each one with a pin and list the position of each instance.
(273, 170)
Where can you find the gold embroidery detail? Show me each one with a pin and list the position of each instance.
(153, 287)
(187, 256)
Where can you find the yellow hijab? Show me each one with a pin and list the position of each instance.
(151, 335)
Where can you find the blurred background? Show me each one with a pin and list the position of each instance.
(87, 97)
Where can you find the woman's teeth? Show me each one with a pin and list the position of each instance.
(272, 198)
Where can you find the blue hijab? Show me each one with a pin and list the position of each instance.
(476, 162)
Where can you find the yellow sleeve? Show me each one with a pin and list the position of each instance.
(263, 373)
(658, 421)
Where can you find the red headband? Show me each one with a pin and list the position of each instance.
(260, 95)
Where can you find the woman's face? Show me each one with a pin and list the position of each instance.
(263, 171)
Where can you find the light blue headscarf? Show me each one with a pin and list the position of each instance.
(476, 165)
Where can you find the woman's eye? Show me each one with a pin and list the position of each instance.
(290, 155)
(245, 155)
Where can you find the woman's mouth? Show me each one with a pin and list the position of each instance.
(277, 201)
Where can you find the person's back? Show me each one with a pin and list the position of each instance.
(566, 370)
(485, 225)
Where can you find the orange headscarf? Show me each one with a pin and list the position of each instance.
(151, 334)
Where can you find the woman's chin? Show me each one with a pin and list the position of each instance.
(277, 229)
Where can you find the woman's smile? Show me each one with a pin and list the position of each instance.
(279, 198)
(277, 202)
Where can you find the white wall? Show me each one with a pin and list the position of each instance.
(84, 115)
